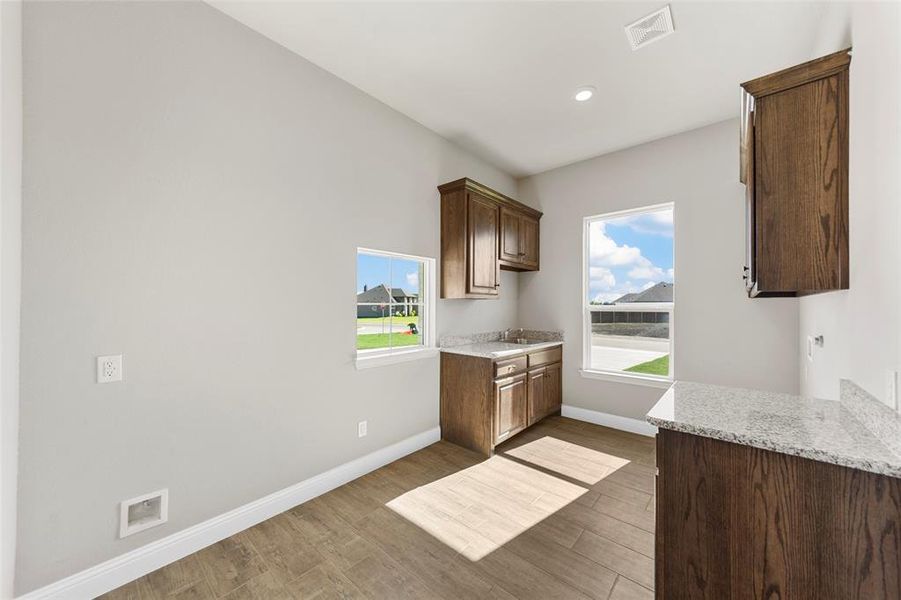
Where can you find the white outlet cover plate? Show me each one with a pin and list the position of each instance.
(109, 368)
(361, 429)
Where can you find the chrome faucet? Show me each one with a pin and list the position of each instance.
(510, 330)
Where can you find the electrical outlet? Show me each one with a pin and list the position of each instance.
(361, 429)
(109, 368)
(810, 348)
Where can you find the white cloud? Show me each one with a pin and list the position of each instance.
(413, 279)
(615, 269)
(663, 217)
(655, 223)
(605, 252)
(605, 297)
(601, 278)
(647, 271)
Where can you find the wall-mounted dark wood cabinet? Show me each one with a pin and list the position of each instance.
(481, 262)
(794, 164)
(518, 241)
(482, 232)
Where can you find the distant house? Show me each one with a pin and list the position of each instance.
(377, 301)
(660, 292)
(625, 298)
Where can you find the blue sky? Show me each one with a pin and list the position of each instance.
(630, 254)
(376, 270)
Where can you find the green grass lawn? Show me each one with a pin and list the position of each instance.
(386, 320)
(658, 366)
(380, 340)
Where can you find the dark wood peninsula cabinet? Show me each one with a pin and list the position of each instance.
(483, 232)
(736, 522)
(794, 164)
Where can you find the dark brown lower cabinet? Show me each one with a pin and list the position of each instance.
(537, 395)
(511, 414)
(544, 392)
(736, 522)
(485, 402)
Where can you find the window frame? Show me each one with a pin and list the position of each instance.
(428, 347)
(586, 308)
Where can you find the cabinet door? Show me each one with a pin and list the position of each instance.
(800, 189)
(537, 394)
(510, 235)
(528, 242)
(482, 268)
(554, 388)
(510, 407)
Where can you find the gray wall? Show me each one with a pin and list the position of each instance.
(192, 193)
(10, 277)
(861, 327)
(720, 335)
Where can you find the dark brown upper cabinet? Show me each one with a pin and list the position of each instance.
(794, 164)
(519, 241)
(482, 264)
(482, 232)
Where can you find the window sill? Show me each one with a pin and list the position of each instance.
(647, 381)
(368, 361)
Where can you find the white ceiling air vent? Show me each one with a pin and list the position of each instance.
(651, 28)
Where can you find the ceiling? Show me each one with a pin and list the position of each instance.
(498, 78)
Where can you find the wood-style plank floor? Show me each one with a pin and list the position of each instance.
(564, 510)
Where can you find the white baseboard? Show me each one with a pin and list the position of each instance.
(118, 571)
(608, 420)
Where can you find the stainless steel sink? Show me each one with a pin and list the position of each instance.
(523, 341)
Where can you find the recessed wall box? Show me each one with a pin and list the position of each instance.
(143, 512)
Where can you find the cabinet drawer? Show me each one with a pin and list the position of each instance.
(546, 357)
(502, 368)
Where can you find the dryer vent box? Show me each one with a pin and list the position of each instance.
(143, 512)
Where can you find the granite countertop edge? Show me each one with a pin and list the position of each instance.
(872, 466)
(489, 344)
(867, 444)
(468, 350)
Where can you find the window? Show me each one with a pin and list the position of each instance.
(394, 307)
(628, 295)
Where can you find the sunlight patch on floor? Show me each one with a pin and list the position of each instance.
(477, 510)
(571, 460)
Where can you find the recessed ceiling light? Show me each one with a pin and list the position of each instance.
(584, 94)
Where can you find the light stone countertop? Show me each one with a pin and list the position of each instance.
(498, 349)
(831, 431)
(488, 344)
